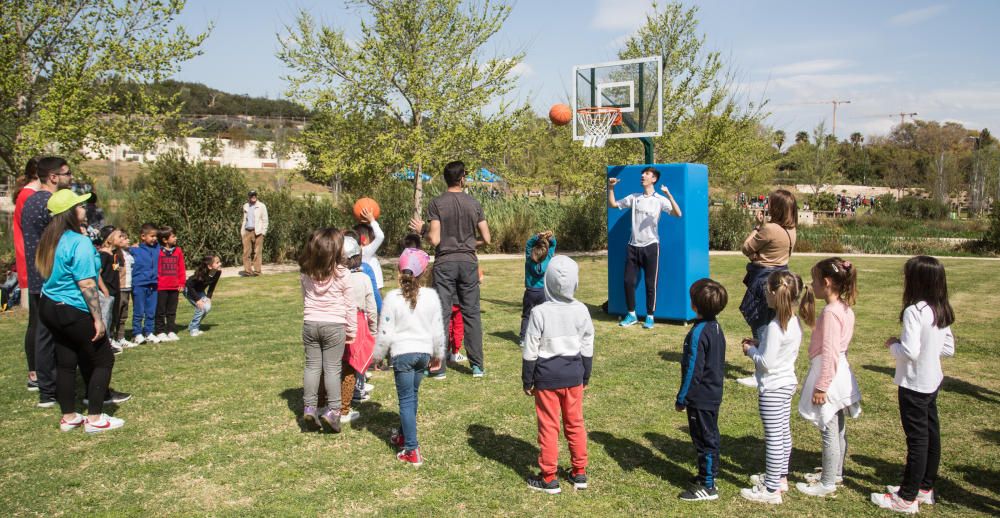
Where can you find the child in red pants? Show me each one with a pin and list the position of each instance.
(456, 333)
(555, 369)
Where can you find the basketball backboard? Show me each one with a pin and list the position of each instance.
(634, 86)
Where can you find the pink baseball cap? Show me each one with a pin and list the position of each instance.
(415, 260)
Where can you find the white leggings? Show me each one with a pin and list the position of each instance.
(775, 412)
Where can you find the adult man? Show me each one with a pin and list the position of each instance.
(253, 228)
(644, 245)
(54, 174)
(454, 219)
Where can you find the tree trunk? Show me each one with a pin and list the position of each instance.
(418, 190)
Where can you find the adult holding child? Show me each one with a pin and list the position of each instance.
(644, 244)
(455, 217)
(252, 229)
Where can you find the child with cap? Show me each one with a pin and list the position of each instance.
(412, 330)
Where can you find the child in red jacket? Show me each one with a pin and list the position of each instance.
(170, 283)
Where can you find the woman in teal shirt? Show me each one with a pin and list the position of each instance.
(69, 307)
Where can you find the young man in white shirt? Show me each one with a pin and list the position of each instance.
(644, 245)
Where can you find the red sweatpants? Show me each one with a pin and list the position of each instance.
(456, 330)
(548, 405)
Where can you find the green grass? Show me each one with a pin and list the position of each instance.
(213, 426)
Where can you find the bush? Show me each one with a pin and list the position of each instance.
(584, 224)
(292, 219)
(886, 204)
(823, 201)
(728, 226)
(920, 208)
(991, 240)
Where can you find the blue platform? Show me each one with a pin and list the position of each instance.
(683, 241)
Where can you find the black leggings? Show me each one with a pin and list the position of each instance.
(166, 312)
(648, 259)
(72, 331)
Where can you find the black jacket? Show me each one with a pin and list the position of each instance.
(702, 366)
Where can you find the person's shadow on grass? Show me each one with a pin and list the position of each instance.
(293, 397)
(732, 371)
(377, 421)
(631, 456)
(517, 454)
(950, 384)
(952, 493)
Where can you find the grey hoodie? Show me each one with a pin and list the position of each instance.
(559, 341)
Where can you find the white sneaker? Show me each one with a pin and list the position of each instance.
(172, 336)
(749, 381)
(816, 489)
(126, 344)
(163, 337)
(103, 424)
(923, 497)
(758, 480)
(197, 332)
(350, 416)
(116, 349)
(759, 493)
(457, 358)
(893, 502)
(369, 387)
(814, 478)
(153, 339)
(73, 424)
(139, 339)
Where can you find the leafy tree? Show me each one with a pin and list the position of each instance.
(857, 139)
(64, 66)
(779, 139)
(417, 70)
(802, 137)
(211, 147)
(817, 163)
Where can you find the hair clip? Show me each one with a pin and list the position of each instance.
(835, 269)
(847, 265)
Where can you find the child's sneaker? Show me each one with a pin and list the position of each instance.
(816, 489)
(126, 344)
(397, 439)
(758, 480)
(814, 478)
(579, 480)
(197, 332)
(139, 339)
(411, 457)
(32, 385)
(760, 493)
(457, 358)
(699, 492)
(369, 387)
(893, 502)
(749, 381)
(103, 424)
(477, 371)
(924, 497)
(539, 484)
(72, 424)
(350, 416)
(648, 324)
(162, 337)
(629, 320)
(311, 415)
(153, 339)
(437, 375)
(172, 337)
(332, 418)
(115, 348)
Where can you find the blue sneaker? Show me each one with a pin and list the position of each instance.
(477, 371)
(648, 324)
(628, 320)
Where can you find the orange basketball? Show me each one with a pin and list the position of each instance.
(366, 203)
(560, 114)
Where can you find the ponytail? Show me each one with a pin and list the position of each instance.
(807, 309)
(785, 288)
(410, 286)
(30, 175)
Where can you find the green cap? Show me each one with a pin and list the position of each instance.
(65, 199)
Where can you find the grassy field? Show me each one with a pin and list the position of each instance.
(214, 425)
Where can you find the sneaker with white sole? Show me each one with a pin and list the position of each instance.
(126, 344)
(477, 371)
(760, 493)
(457, 358)
(45, 402)
(814, 478)
(759, 480)
(649, 322)
(72, 424)
(32, 385)
(369, 387)
(350, 416)
(748, 381)
(816, 489)
(629, 320)
(163, 337)
(153, 339)
(579, 480)
(893, 502)
(411, 457)
(103, 424)
(539, 484)
(116, 349)
(139, 340)
(113, 397)
(197, 332)
(698, 492)
(924, 497)
(172, 337)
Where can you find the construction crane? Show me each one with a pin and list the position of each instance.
(834, 102)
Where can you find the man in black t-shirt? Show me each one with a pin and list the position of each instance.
(455, 217)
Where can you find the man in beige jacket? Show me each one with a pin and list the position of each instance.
(253, 228)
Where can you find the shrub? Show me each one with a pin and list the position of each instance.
(886, 204)
(291, 219)
(584, 224)
(991, 240)
(823, 201)
(728, 226)
(920, 208)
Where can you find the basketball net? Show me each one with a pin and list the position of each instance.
(597, 123)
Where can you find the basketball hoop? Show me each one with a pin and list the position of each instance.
(597, 123)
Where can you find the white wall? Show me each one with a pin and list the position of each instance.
(244, 158)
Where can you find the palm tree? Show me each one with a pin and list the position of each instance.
(779, 139)
(802, 136)
(857, 139)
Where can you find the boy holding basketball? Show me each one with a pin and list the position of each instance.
(644, 245)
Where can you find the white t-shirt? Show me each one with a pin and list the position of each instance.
(646, 212)
(919, 350)
(774, 357)
(368, 253)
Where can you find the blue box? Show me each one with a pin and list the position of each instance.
(683, 241)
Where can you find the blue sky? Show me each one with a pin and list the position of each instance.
(885, 56)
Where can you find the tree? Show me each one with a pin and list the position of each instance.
(779, 139)
(416, 73)
(857, 139)
(817, 163)
(64, 66)
(802, 137)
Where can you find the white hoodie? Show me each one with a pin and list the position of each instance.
(403, 330)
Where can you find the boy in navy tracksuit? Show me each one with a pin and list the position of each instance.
(702, 367)
(144, 284)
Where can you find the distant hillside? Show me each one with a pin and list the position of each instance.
(199, 99)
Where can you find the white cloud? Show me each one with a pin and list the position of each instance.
(814, 66)
(619, 15)
(965, 99)
(915, 16)
(522, 69)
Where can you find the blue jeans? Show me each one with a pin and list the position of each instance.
(143, 309)
(199, 313)
(408, 369)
